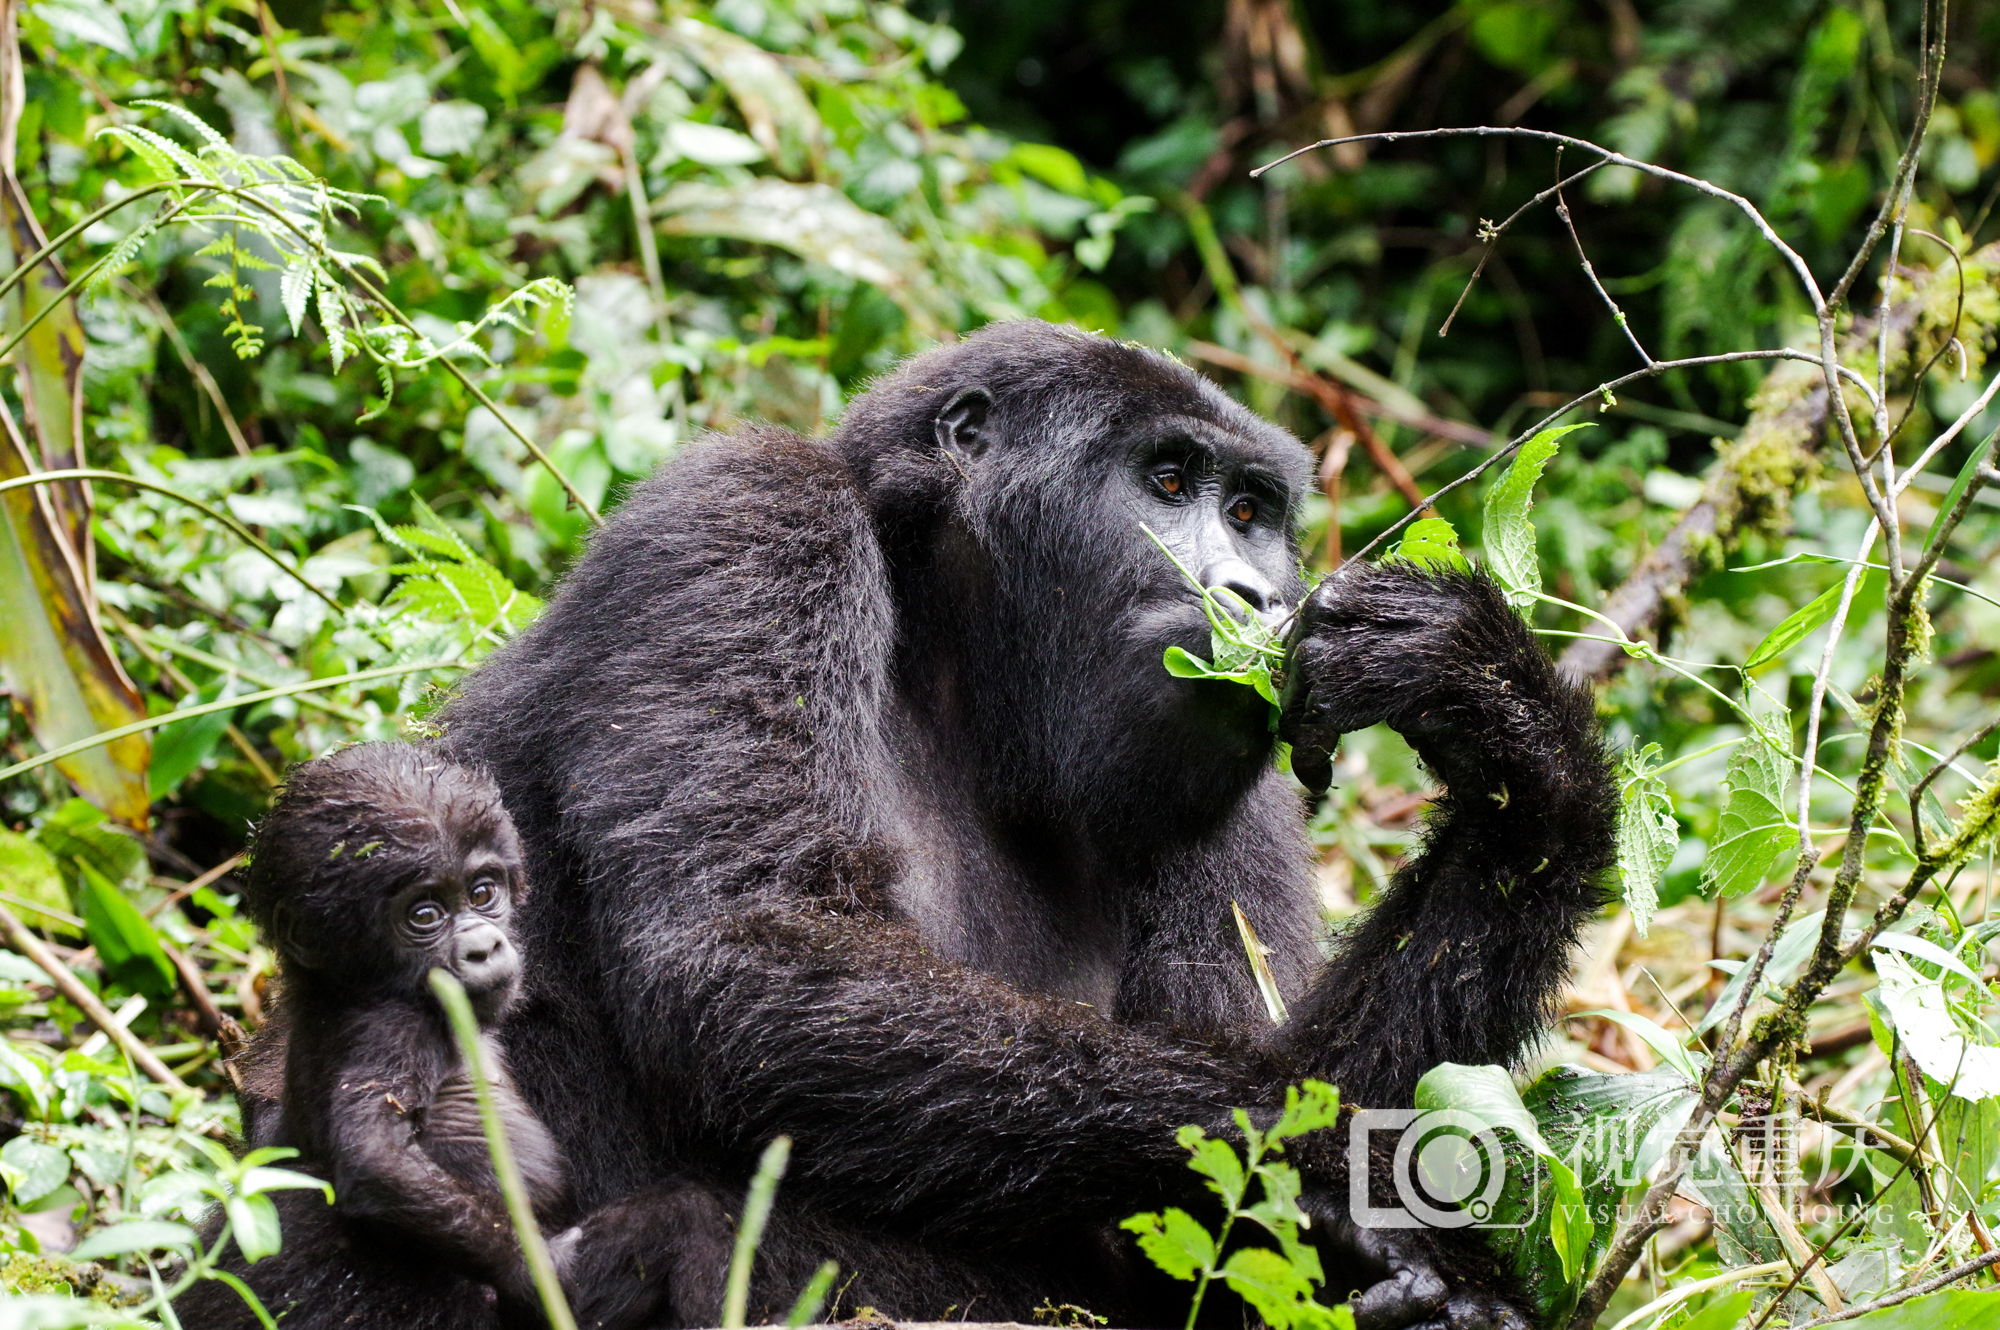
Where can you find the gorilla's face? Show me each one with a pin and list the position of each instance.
(1222, 504)
(1078, 606)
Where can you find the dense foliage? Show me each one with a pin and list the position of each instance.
(374, 308)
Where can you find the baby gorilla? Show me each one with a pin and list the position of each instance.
(375, 866)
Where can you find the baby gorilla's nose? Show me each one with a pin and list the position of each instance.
(482, 956)
(1240, 579)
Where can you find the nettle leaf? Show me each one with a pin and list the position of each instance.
(1430, 544)
(1174, 1242)
(1648, 835)
(1755, 832)
(1509, 536)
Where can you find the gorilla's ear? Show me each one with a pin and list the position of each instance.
(961, 425)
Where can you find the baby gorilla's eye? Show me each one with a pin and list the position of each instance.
(426, 915)
(483, 895)
(1244, 510)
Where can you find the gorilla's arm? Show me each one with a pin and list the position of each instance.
(382, 1083)
(1462, 957)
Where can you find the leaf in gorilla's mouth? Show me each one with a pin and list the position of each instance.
(1242, 648)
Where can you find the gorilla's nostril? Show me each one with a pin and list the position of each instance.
(1239, 578)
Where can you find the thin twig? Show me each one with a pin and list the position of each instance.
(85, 1001)
(1617, 314)
(1598, 394)
(1491, 235)
(1951, 1276)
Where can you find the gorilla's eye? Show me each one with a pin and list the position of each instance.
(1244, 510)
(1171, 479)
(484, 895)
(426, 915)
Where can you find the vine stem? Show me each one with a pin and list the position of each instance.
(221, 704)
(139, 482)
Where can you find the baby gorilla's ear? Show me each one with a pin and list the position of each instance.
(961, 426)
(289, 934)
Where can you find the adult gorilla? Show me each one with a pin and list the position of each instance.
(860, 808)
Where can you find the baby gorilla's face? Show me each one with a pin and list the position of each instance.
(454, 916)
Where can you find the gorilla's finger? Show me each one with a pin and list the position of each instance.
(1313, 766)
(1410, 1296)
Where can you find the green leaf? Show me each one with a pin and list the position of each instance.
(31, 876)
(1309, 1106)
(179, 749)
(1509, 537)
(1973, 461)
(1755, 832)
(1648, 835)
(1430, 544)
(1570, 1227)
(1800, 623)
(36, 1169)
(1660, 1040)
(124, 939)
(139, 1235)
(1723, 1313)
(253, 1222)
(1925, 951)
(1281, 1294)
(1216, 1160)
(257, 1180)
(1795, 944)
(1174, 1242)
(1487, 1093)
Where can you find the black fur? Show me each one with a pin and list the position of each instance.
(861, 809)
(375, 866)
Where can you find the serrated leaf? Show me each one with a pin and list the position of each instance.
(1216, 1160)
(1430, 544)
(1174, 1242)
(1508, 535)
(1647, 835)
(1754, 831)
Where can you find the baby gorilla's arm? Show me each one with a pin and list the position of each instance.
(381, 1174)
(660, 1255)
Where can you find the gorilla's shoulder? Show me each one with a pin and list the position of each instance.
(759, 493)
(745, 567)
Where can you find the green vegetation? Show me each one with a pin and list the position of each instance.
(332, 328)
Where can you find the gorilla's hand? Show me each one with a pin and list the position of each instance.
(1432, 654)
(1408, 1292)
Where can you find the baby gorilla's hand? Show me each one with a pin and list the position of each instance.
(1434, 655)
